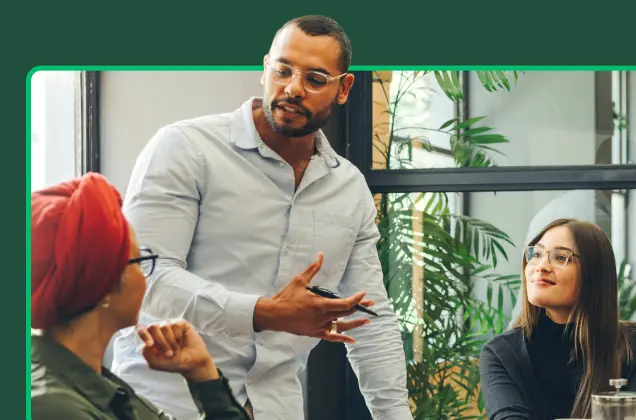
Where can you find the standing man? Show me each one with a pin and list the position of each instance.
(246, 209)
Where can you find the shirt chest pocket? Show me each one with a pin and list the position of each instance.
(334, 236)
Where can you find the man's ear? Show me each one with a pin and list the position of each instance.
(345, 88)
(265, 58)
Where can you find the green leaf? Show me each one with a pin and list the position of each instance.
(492, 149)
(475, 131)
(490, 81)
(488, 139)
(469, 122)
(479, 270)
(484, 80)
(448, 123)
(444, 85)
(504, 79)
(445, 82)
(501, 250)
(455, 80)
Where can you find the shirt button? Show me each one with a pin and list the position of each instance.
(282, 164)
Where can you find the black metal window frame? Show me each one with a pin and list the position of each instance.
(87, 145)
(359, 121)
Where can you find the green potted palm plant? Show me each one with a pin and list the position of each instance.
(432, 255)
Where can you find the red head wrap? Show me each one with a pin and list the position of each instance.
(80, 247)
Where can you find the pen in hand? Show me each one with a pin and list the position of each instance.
(331, 295)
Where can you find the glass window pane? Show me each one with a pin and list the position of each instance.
(407, 106)
(54, 120)
(544, 118)
(452, 264)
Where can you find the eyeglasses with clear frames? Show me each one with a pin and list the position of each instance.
(557, 258)
(313, 81)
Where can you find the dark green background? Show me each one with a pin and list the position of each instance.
(382, 33)
(239, 33)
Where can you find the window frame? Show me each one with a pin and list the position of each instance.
(87, 144)
(359, 127)
(83, 144)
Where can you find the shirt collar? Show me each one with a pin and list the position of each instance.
(98, 389)
(244, 135)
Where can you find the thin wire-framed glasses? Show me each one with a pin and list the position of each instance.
(146, 260)
(557, 258)
(314, 81)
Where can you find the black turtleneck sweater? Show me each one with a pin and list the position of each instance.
(550, 352)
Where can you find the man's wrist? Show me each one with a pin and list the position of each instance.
(264, 314)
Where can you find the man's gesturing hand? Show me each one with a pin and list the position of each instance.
(296, 310)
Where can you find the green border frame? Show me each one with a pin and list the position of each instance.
(204, 68)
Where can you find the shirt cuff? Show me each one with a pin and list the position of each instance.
(397, 413)
(215, 397)
(239, 314)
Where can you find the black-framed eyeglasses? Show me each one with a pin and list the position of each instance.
(147, 260)
(558, 258)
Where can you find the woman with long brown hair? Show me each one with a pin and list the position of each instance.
(568, 341)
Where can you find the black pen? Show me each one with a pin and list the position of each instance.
(331, 295)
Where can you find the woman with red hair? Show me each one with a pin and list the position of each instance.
(88, 279)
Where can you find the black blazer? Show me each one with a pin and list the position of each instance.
(509, 388)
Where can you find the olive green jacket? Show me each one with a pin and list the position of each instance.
(64, 387)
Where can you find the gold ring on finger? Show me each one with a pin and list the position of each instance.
(334, 326)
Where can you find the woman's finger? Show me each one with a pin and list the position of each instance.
(145, 336)
(166, 330)
(161, 344)
(178, 329)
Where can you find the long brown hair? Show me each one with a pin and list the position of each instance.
(600, 340)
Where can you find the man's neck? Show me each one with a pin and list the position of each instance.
(295, 151)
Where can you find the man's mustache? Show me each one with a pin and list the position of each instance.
(291, 101)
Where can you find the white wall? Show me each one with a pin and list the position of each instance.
(549, 117)
(53, 127)
(135, 104)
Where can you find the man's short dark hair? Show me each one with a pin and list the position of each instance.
(316, 25)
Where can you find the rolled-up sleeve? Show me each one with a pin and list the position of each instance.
(162, 205)
(377, 357)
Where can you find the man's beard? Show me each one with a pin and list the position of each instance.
(313, 124)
